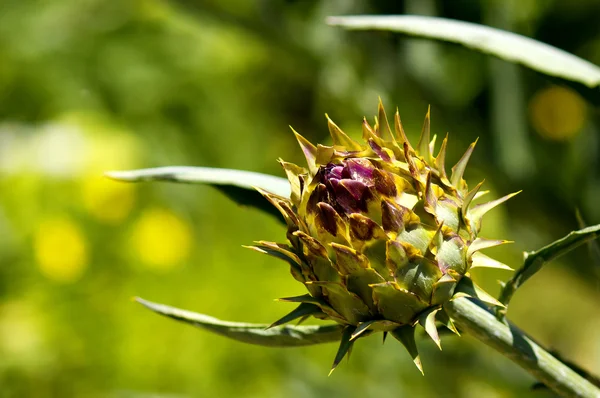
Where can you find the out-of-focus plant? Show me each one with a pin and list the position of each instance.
(383, 239)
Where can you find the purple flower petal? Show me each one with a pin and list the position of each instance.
(360, 170)
(350, 196)
(334, 171)
(380, 152)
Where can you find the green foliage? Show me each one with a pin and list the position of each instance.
(535, 260)
(283, 336)
(90, 86)
(511, 47)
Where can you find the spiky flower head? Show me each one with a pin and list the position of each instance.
(379, 234)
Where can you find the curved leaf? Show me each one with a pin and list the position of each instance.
(238, 185)
(534, 261)
(282, 336)
(509, 46)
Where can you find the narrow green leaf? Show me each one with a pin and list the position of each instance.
(551, 61)
(282, 336)
(238, 185)
(534, 261)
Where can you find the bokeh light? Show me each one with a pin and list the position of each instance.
(61, 249)
(161, 239)
(92, 86)
(557, 113)
(106, 200)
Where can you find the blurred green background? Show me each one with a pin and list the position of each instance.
(92, 85)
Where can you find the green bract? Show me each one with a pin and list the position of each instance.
(379, 234)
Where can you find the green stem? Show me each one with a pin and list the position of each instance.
(534, 261)
(515, 345)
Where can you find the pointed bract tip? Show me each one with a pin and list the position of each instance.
(345, 346)
(309, 150)
(480, 260)
(459, 168)
(119, 175)
(468, 288)
(424, 140)
(427, 322)
(477, 212)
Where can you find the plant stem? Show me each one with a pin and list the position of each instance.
(514, 344)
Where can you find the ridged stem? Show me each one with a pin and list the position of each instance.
(515, 345)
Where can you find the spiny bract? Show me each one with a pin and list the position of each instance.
(379, 234)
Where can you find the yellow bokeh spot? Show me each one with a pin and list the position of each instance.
(109, 145)
(557, 113)
(161, 239)
(60, 250)
(107, 200)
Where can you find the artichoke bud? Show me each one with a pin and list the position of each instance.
(382, 236)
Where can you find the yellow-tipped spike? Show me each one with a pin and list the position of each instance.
(367, 130)
(459, 168)
(423, 145)
(440, 160)
(480, 260)
(345, 346)
(293, 172)
(470, 196)
(406, 336)
(443, 317)
(384, 130)
(309, 150)
(480, 194)
(304, 309)
(400, 135)
(481, 243)
(340, 138)
(432, 144)
(360, 329)
(468, 288)
(429, 197)
(427, 321)
(477, 212)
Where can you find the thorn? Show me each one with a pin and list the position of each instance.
(481, 243)
(384, 127)
(477, 212)
(400, 135)
(440, 160)
(345, 346)
(427, 321)
(340, 138)
(459, 168)
(423, 145)
(480, 260)
(406, 336)
(309, 150)
(470, 196)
